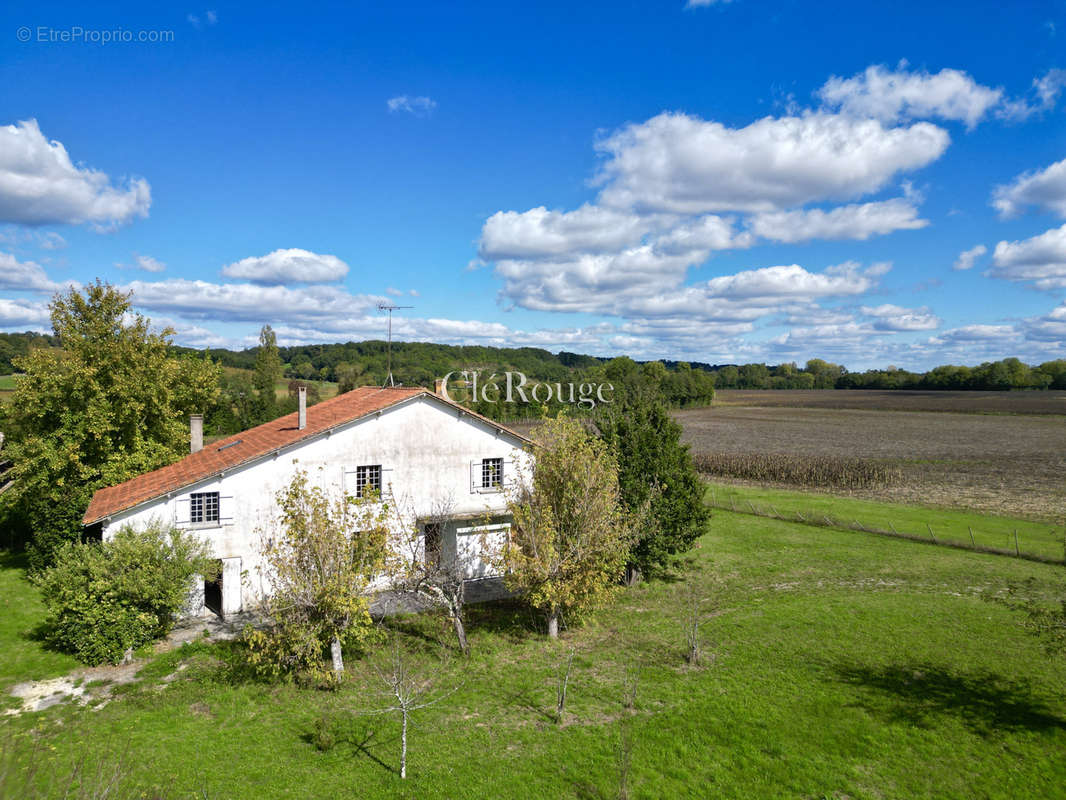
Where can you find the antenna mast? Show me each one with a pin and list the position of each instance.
(388, 357)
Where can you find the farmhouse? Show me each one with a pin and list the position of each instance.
(409, 443)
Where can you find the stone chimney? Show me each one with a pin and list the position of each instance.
(303, 408)
(196, 433)
(437, 386)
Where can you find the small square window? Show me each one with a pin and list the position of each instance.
(368, 480)
(203, 508)
(491, 473)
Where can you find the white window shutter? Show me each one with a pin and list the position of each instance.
(182, 510)
(508, 477)
(475, 475)
(348, 480)
(225, 509)
(387, 474)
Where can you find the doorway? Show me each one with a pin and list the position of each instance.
(432, 545)
(213, 591)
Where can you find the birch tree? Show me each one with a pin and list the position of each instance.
(321, 558)
(407, 691)
(569, 539)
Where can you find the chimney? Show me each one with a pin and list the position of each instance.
(303, 408)
(196, 433)
(437, 385)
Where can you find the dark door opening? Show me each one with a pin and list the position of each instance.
(433, 545)
(213, 592)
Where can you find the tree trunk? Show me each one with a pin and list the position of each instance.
(338, 659)
(553, 624)
(633, 574)
(460, 632)
(403, 747)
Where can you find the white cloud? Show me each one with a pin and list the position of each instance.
(50, 240)
(890, 317)
(703, 234)
(148, 264)
(794, 282)
(1045, 188)
(1049, 328)
(393, 292)
(857, 221)
(978, 333)
(706, 3)
(893, 95)
(23, 315)
(419, 106)
(967, 258)
(1040, 259)
(1046, 91)
(287, 266)
(40, 185)
(250, 302)
(24, 276)
(540, 233)
(681, 164)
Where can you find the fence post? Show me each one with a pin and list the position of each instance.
(893, 527)
(1016, 551)
(930, 528)
(973, 542)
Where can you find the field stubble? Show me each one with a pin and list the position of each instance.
(999, 463)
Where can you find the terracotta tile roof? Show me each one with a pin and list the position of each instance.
(248, 445)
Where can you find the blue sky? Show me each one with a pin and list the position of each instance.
(726, 182)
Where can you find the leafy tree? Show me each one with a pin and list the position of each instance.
(569, 539)
(320, 561)
(268, 371)
(654, 470)
(109, 404)
(106, 598)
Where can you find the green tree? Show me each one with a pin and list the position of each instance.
(655, 470)
(106, 598)
(321, 558)
(268, 371)
(108, 404)
(569, 539)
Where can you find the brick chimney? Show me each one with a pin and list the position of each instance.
(303, 408)
(437, 384)
(196, 433)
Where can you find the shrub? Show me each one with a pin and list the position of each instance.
(104, 598)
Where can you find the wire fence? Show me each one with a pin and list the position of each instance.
(822, 520)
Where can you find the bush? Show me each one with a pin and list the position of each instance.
(104, 598)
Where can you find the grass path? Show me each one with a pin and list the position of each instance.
(840, 665)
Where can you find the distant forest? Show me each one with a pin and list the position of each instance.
(682, 383)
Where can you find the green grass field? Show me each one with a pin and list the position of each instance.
(839, 665)
(1040, 538)
(21, 656)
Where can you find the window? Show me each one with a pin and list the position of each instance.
(491, 473)
(368, 480)
(203, 508)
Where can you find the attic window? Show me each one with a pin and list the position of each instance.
(203, 507)
(231, 444)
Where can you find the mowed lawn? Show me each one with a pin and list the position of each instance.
(838, 664)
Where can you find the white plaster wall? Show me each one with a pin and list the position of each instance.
(425, 449)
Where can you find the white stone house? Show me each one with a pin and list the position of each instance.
(421, 446)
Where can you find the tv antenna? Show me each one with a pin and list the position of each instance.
(388, 357)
